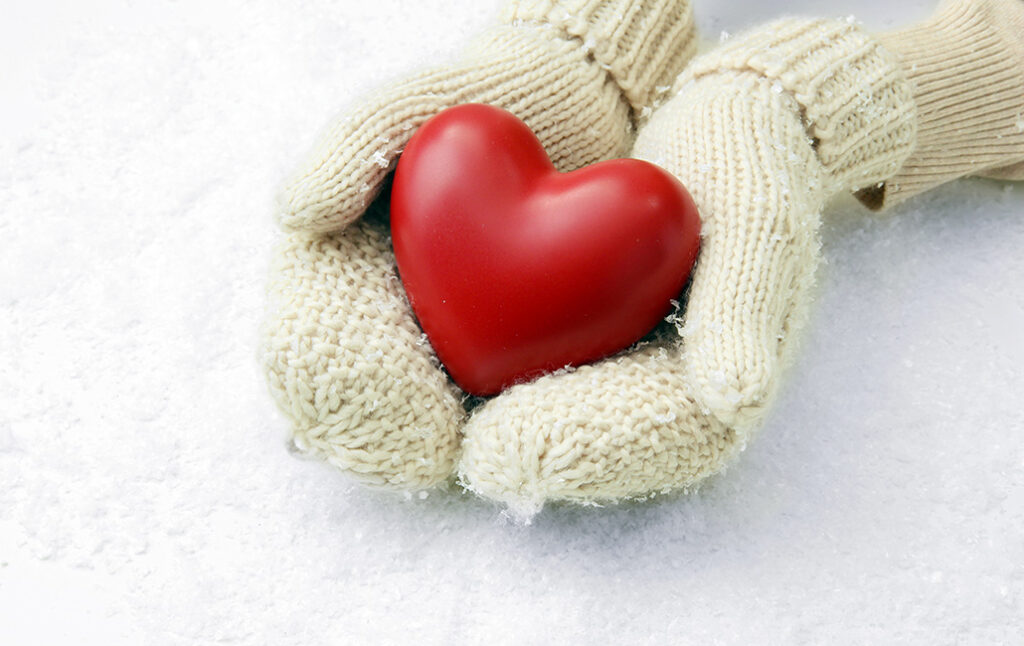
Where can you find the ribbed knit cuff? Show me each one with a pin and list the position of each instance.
(856, 105)
(644, 44)
(966, 65)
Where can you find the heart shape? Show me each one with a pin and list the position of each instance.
(515, 269)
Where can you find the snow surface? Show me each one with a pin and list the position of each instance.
(146, 492)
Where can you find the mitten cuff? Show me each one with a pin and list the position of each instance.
(857, 107)
(643, 44)
(966, 66)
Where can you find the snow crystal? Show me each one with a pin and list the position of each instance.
(380, 158)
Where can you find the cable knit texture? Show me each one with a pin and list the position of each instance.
(967, 68)
(571, 70)
(344, 357)
(641, 423)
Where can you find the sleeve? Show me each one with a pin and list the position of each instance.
(966, 69)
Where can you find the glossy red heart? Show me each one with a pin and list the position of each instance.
(514, 269)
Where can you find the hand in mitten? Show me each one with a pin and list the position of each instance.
(762, 131)
(343, 355)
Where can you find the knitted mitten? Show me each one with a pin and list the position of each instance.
(762, 131)
(344, 357)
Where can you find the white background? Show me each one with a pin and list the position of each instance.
(146, 491)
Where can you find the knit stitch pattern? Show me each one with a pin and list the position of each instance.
(763, 132)
(966, 66)
(348, 365)
(626, 427)
(641, 422)
(858, 111)
(344, 357)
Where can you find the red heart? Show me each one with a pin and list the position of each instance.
(514, 269)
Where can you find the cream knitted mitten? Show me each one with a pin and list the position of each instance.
(762, 131)
(343, 355)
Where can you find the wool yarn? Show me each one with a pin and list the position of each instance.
(343, 355)
(668, 416)
(763, 131)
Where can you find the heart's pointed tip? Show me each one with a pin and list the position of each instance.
(478, 380)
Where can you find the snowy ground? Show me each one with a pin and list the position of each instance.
(146, 493)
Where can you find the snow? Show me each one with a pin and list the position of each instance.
(146, 491)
